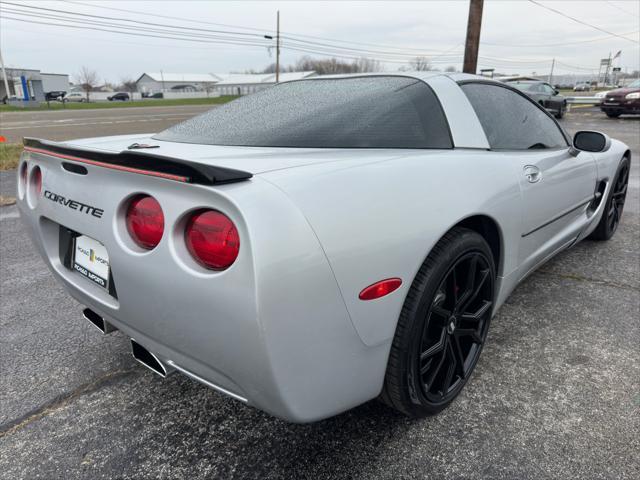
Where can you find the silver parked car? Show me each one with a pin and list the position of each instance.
(323, 242)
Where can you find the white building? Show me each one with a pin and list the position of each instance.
(243, 84)
(220, 83)
(178, 82)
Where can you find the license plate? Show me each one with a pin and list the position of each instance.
(90, 259)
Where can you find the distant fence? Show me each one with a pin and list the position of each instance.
(190, 94)
(584, 100)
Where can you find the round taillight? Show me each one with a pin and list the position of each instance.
(145, 221)
(36, 179)
(212, 239)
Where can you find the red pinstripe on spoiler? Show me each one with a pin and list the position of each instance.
(167, 176)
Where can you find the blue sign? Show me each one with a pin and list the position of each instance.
(25, 88)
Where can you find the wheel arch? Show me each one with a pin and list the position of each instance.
(488, 228)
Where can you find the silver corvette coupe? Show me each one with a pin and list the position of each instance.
(323, 242)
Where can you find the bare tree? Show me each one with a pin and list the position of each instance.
(333, 65)
(450, 69)
(128, 84)
(420, 63)
(368, 65)
(87, 79)
(271, 68)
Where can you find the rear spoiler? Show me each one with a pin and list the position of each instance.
(140, 162)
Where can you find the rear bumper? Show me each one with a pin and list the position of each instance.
(272, 330)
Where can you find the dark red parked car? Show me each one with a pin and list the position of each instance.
(622, 100)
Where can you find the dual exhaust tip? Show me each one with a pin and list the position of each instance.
(140, 353)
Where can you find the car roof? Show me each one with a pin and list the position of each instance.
(420, 75)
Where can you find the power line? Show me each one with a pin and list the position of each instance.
(325, 50)
(621, 9)
(296, 42)
(184, 33)
(63, 18)
(133, 33)
(562, 44)
(148, 14)
(580, 21)
(102, 17)
(419, 51)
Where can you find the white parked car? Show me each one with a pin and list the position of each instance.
(75, 97)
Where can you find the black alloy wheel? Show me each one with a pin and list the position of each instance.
(616, 203)
(612, 213)
(442, 326)
(455, 328)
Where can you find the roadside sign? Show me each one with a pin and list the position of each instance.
(605, 62)
(617, 69)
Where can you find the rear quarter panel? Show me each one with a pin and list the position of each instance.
(381, 220)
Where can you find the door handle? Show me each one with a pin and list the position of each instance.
(532, 173)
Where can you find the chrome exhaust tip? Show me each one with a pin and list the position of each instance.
(98, 322)
(149, 360)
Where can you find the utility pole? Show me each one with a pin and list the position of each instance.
(472, 44)
(4, 76)
(278, 47)
(553, 63)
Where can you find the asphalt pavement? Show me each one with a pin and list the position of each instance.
(69, 124)
(556, 393)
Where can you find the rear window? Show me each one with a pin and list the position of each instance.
(365, 112)
(527, 87)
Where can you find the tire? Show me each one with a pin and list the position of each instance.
(612, 213)
(434, 329)
(613, 114)
(561, 112)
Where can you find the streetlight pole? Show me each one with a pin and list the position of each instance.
(4, 76)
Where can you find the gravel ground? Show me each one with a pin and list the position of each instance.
(556, 393)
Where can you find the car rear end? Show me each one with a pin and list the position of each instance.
(266, 325)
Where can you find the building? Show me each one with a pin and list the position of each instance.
(220, 83)
(55, 82)
(31, 85)
(243, 84)
(177, 82)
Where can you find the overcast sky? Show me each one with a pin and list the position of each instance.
(517, 36)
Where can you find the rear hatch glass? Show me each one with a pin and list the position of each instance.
(360, 112)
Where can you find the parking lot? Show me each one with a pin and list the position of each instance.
(556, 393)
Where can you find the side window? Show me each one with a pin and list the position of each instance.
(512, 121)
(548, 89)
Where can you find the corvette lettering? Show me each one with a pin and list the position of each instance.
(73, 204)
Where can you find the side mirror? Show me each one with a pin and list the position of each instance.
(556, 92)
(590, 141)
